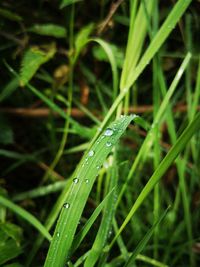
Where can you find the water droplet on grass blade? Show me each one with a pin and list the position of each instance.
(75, 180)
(57, 234)
(66, 206)
(87, 181)
(108, 144)
(91, 153)
(108, 132)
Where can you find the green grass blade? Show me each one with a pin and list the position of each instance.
(50, 220)
(81, 186)
(153, 48)
(40, 191)
(158, 117)
(144, 241)
(106, 223)
(135, 40)
(9, 89)
(163, 166)
(158, 40)
(25, 215)
(109, 52)
(81, 235)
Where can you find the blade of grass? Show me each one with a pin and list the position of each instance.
(159, 115)
(26, 216)
(153, 48)
(40, 191)
(135, 39)
(144, 241)
(157, 41)
(108, 50)
(163, 166)
(106, 223)
(80, 188)
(81, 235)
(9, 89)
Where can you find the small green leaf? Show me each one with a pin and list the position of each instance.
(53, 30)
(32, 60)
(65, 3)
(82, 39)
(9, 15)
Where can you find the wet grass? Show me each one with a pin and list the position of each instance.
(112, 185)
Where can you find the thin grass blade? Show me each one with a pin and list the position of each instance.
(25, 215)
(163, 166)
(144, 241)
(81, 235)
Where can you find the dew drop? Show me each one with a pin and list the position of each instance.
(91, 153)
(98, 167)
(108, 132)
(108, 144)
(66, 205)
(76, 180)
(134, 116)
(87, 181)
(58, 234)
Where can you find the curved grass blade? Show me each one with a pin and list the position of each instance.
(109, 52)
(26, 215)
(79, 191)
(163, 166)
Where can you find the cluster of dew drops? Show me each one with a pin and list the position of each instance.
(108, 132)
